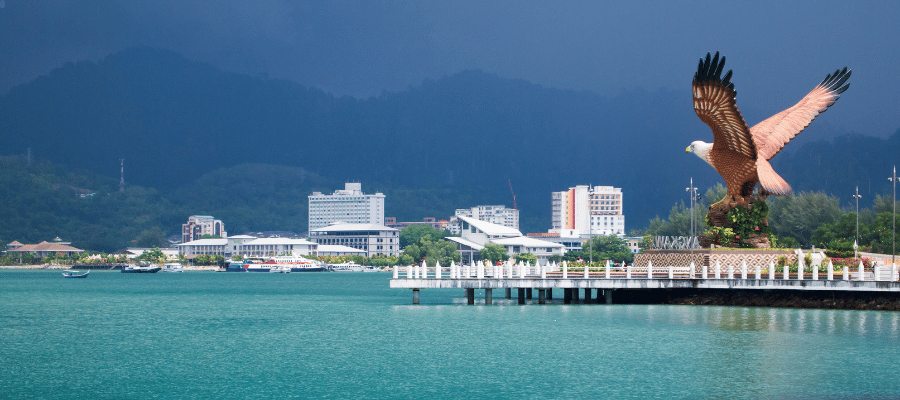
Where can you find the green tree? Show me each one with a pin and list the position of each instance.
(679, 220)
(883, 204)
(800, 214)
(153, 237)
(412, 233)
(493, 253)
(526, 258)
(154, 255)
(575, 255)
(406, 259)
(381, 260)
(609, 247)
(432, 251)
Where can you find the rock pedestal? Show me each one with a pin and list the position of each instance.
(718, 217)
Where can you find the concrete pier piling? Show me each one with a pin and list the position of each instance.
(542, 296)
(521, 296)
(415, 297)
(488, 296)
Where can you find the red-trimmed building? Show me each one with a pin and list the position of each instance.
(42, 249)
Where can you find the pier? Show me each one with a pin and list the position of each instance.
(600, 286)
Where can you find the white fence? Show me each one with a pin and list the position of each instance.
(887, 273)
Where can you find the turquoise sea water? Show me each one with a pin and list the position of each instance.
(347, 335)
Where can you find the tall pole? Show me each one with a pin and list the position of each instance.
(893, 179)
(122, 176)
(693, 193)
(856, 241)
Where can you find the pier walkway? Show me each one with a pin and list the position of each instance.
(544, 279)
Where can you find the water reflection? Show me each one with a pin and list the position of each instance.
(813, 321)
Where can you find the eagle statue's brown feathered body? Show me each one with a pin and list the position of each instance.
(741, 154)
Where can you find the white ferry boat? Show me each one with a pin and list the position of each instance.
(276, 264)
(346, 267)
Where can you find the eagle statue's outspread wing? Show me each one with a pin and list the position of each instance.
(741, 154)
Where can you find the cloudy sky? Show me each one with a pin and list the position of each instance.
(779, 50)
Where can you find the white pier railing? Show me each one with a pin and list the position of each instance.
(508, 270)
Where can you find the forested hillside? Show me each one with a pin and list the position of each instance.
(42, 201)
(458, 141)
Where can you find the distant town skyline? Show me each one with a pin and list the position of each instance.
(778, 50)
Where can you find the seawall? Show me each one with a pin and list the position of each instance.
(763, 298)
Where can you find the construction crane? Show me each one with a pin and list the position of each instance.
(515, 207)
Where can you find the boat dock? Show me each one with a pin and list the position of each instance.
(603, 284)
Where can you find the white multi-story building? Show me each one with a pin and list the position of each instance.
(349, 206)
(586, 210)
(500, 215)
(199, 225)
(374, 239)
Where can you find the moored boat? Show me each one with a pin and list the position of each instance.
(282, 264)
(346, 267)
(69, 273)
(142, 268)
(173, 267)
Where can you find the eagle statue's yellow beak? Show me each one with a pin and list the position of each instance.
(688, 149)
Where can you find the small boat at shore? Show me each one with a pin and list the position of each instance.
(346, 267)
(69, 273)
(173, 267)
(142, 268)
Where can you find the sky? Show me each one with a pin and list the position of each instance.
(778, 50)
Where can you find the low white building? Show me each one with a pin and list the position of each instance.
(208, 247)
(571, 242)
(374, 239)
(170, 252)
(337, 250)
(277, 247)
(248, 246)
(475, 234)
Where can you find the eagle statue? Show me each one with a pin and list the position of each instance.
(741, 154)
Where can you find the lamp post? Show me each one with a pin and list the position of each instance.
(692, 191)
(893, 179)
(856, 241)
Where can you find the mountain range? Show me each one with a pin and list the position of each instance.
(458, 141)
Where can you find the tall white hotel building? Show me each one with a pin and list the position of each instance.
(584, 210)
(349, 206)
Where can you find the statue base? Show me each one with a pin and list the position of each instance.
(750, 229)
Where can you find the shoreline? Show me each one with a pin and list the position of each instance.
(64, 267)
